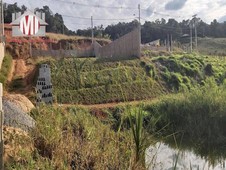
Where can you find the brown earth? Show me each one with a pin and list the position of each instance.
(16, 143)
(22, 72)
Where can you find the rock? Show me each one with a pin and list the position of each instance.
(15, 112)
(21, 101)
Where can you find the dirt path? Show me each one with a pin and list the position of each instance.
(11, 73)
(20, 68)
(106, 105)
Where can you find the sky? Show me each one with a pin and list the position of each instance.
(77, 13)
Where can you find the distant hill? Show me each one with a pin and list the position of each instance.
(206, 45)
(212, 46)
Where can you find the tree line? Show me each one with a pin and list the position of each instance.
(150, 30)
(158, 29)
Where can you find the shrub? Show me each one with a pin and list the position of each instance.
(70, 138)
(208, 70)
(6, 67)
(198, 116)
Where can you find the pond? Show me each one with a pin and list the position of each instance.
(162, 157)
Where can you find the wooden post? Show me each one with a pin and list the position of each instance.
(171, 42)
(30, 44)
(1, 129)
(92, 28)
(168, 43)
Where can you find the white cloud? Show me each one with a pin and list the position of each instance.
(206, 10)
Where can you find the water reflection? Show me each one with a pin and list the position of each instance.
(162, 157)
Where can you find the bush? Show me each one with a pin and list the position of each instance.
(70, 138)
(208, 70)
(197, 116)
(6, 67)
(16, 83)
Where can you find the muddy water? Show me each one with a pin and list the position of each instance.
(162, 157)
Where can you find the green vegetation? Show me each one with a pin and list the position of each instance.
(180, 71)
(197, 117)
(88, 81)
(6, 67)
(186, 94)
(136, 119)
(71, 138)
(212, 46)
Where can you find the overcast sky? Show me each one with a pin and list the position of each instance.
(75, 12)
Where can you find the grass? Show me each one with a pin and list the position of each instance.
(87, 81)
(197, 111)
(212, 46)
(198, 115)
(138, 134)
(71, 138)
(6, 67)
(65, 37)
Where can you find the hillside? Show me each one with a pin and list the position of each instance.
(212, 46)
(91, 81)
(206, 45)
(160, 84)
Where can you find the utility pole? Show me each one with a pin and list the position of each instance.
(139, 12)
(139, 29)
(1, 22)
(63, 28)
(92, 27)
(196, 41)
(195, 24)
(3, 29)
(171, 42)
(168, 44)
(191, 26)
(2, 32)
(1, 130)
(30, 44)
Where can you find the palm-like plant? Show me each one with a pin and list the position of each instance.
(136, 118)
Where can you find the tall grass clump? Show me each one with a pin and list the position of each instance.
(71, 138)
(199, 115)
(6, 66)
(140, 137)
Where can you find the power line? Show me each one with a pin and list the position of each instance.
(116, 7)
(100, 19)
(168, 15)
(96, 6)
(75, 23)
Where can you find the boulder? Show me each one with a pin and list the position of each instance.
(21, 101)
(15, 112)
